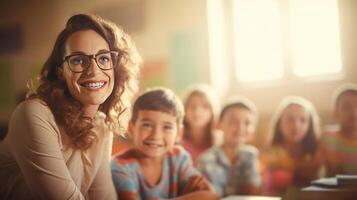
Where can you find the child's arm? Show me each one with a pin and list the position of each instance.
(197, 187)
(197, 183)
(193, 185)
(125, 196)
(207, 195)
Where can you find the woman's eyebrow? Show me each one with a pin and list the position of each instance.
(75, 53)
(81, 52)
(103, 50)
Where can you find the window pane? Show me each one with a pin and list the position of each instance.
(217, 45)
(258, 48)
(315, 37)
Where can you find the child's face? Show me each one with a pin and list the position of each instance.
(198, 111)
(237, 125)
(346, 111)
(294, 123)
(154, 132)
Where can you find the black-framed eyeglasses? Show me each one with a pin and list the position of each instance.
(80, 62)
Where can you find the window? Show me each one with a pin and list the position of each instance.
(217, 45)
(257, 44)
(315, 37)
(273, 39)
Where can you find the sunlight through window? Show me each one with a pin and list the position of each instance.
(257, 39)
(271, 38)
(315, 37)
(217, 45)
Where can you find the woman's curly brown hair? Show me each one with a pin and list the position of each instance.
(67, 110)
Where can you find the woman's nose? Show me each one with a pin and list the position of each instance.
(93, 67)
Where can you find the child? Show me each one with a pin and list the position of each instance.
(341, 146)
(293, 158)
(233, 167)
(155, 168)
(201, 107)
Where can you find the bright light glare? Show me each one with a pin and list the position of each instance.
(258, 48)
(315, 37)
(217, 45)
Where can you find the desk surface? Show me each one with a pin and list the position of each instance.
(245, 197)
(316, 192)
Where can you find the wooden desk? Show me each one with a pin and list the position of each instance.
(323, 193)
(248, 197)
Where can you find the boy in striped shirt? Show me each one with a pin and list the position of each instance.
(155, 168)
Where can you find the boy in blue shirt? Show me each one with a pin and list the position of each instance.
(233, 167)
(155, 168)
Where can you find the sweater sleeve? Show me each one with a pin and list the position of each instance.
(102, 186)
(33, 140)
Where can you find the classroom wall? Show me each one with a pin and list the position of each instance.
(163, 24)
(172, 37)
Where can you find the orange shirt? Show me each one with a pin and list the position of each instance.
(281, 170)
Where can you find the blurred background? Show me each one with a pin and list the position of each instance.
(261, 49)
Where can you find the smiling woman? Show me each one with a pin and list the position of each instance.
(59, 140)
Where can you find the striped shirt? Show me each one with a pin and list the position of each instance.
(130, 181)
(341, 151)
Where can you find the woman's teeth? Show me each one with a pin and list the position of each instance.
(95, 85)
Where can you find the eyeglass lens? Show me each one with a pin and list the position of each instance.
(81, 62)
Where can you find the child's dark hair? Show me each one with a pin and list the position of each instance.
(159, 99)
(239, 102)
(343, 90)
